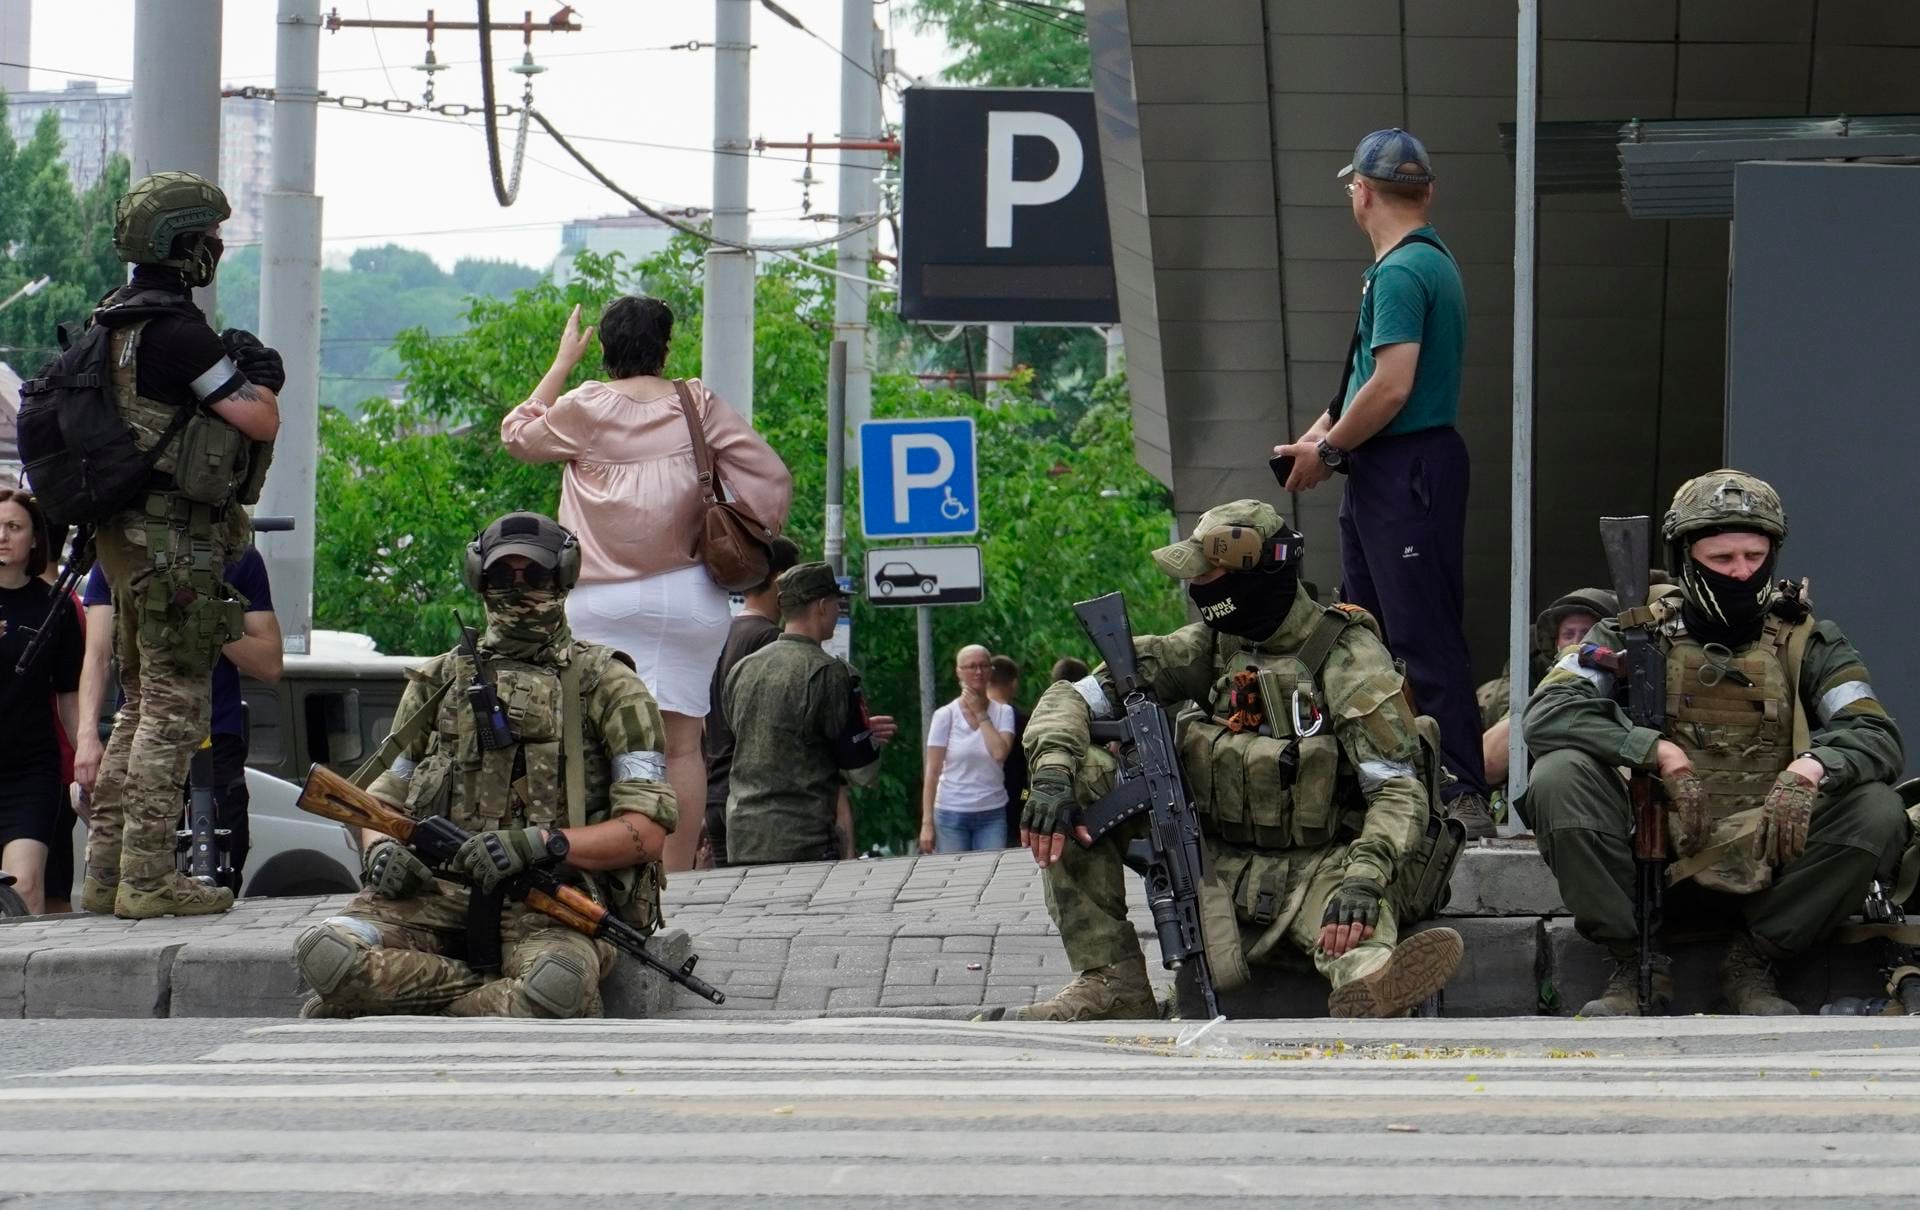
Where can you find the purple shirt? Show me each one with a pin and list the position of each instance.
(248, 576)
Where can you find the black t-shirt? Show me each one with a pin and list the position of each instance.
(748, 634)
(182, 361)
(26, 703)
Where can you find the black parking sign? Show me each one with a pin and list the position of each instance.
(1003, 215)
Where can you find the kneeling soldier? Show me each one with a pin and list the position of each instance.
(1306, 770)
(563, 766)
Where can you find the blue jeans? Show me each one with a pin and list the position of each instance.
(969, 831)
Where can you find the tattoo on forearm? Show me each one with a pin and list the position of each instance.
(633, 833)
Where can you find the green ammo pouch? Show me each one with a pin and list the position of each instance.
(211, 458)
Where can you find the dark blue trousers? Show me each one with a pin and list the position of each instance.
(1403, 530)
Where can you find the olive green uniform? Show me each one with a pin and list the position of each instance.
(787, 704)
(384, 955)
(1740, 733)
(1353, 806)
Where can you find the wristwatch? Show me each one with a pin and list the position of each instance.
(557, 846)
(1333, 456)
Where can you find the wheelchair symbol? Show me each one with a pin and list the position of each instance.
(951, 508)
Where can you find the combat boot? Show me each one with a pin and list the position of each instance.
(1417, 968)
(1472, 811)
(173, 895)
(96, 895)
(316, 1009)
(1622, 995)
(1118, 992)
(1746, 980)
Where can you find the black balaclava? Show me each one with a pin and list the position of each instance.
(1720, 609)
(1248, 604)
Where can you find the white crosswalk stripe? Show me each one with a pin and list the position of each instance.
(892, 1110)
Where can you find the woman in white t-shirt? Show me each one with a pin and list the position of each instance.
(963, 805)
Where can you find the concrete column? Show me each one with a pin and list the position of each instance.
(999, 349)
(16, 43)
(176, 93)
(726, 341)
(290, 316)
(1116, 349)
(859, 120)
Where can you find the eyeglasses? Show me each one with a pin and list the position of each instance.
(498, 577)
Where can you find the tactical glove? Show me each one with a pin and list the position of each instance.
(259, 363)
(1689, 798)
(393, 871)
(491, 858)
(1050, 806)
(1354, 901)
(1785, 818)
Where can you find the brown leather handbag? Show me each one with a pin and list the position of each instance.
(736, 546)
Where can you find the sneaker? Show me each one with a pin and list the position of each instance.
(1746, 980)
(1471, 810)
(1119, 992)
(97, 895)
(1622, 995)
(174, 895)
(1418, 967)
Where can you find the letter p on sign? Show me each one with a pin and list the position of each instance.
(904, 481)
(1003, 191)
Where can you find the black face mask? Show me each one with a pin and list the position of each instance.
(1247, 604)
(1721, 609)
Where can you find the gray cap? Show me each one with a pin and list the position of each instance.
(538, 538)
(1385, 154)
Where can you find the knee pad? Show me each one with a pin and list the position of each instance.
(331, 950)
(557, 984)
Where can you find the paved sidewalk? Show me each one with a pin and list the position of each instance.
(935, 935)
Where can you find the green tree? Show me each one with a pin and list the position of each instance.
(1011, 43)
(1066, 512)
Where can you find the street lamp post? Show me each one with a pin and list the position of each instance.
(27, 291)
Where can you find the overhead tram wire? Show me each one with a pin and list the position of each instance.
(857, 65)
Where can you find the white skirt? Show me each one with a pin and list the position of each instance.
(673, 625)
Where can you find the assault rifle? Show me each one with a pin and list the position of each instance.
(435, 839)
(79, 562)
(1170, 858)
(1627, 542)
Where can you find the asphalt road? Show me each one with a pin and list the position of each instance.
(1457, 1112)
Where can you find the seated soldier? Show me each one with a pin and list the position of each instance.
(1776, 759)
(1314, 826)
(402, 945)
(1560, 624)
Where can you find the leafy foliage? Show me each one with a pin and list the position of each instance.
(46, 229)
(1066, 513)
(1011, 43)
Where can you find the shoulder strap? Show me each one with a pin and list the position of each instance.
(1326, 633)
(1339, 401)
(702, 456)
(572, 748)
(413, 727)
(1793, 656)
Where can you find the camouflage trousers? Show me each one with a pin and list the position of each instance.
(383, 956)
(1278, 898)
(137, 800)
(1580, 815)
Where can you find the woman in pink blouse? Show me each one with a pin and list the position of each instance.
(631, 494)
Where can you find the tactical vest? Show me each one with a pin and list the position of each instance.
(1283, 784)
(1733, 716)
(207, 461)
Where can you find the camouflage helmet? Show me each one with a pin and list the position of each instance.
(1723, 500)
(162, 207)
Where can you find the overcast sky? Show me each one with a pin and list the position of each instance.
(424, 183)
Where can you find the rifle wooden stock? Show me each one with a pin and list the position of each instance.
(570, 907)
(331, 796)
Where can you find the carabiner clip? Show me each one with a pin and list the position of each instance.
(1299, 731)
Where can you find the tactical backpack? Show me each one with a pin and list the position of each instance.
(82, 458)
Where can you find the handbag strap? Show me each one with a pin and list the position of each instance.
(702, 456)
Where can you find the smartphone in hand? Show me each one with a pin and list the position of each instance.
(1282, 467)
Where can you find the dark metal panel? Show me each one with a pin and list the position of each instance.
(1204, 132)
(1309, 121)
(1325, 63)
(1333, 17)
(1214, 345)
(1185, 23)
(1201, 74)
(1824, 269)
(1235, 187)
(1610, 20)
(1747, 21)
(1202, 242)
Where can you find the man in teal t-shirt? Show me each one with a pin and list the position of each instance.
(1389, 428)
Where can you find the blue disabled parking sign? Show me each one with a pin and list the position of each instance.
(917, 478)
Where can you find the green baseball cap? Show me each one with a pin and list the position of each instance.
(806, 583)
(1233, 536)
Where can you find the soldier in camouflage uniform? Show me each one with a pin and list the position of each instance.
(1565, 621)
(1311, 823)
(212, 409)
(400, 945)
(1776, 759)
